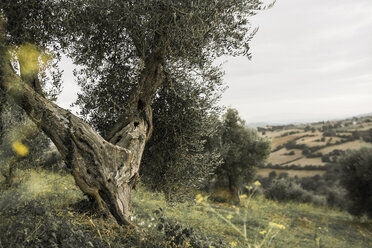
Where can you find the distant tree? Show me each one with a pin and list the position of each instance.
(326, 159)
(306, 151)
(272, 174)
(291, 153)
(356, 178)
(242, 150)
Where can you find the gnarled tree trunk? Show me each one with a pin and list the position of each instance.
(105, 169)
(101, 169)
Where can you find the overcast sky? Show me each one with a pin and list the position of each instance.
(312, 60)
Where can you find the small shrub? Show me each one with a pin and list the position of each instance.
(306, 152)
(284, 190)
(330, 132)
(314, 155)
(291, 153)
(311, 183)
(272, 174)
(326, 159)
(283, 175)
(336, 197)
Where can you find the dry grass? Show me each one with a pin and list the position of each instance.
(352, 145)
(333, 140)
(344, 133)
(315, 141)
(307, 161)
(278, 157)
(275, 142)
(277, 134)
(312, 141)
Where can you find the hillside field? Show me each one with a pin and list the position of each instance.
(315, 145)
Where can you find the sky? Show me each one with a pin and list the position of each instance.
(311, 61)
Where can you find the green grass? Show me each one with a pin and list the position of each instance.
(56, 190)
(305, 225)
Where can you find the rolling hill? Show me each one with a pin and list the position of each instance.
(314, 146)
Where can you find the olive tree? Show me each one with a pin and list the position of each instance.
(185, 114)
(242, 150)
(141, 41)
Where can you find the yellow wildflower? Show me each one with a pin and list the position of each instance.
(211, 246)
(243, 196)
(263, 232)
(233, 243)
(20, 148)
(275, 225)
(229, 217)
(257, 183)
(199, 198)
(249, 187)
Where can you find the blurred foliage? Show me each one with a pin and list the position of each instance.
(319, 189)
(21, 144)
(27, 59)
(356, 178)
(185, 114)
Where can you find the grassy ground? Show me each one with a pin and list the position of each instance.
(305, 225)
(267, 223)
(281, 156)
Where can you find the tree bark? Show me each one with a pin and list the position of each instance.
(234, 190)
(9, 176)
(2, 108)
